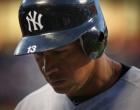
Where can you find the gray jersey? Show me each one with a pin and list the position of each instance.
(124, 95)
(45, 99)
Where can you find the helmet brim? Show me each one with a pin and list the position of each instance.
(49, 41)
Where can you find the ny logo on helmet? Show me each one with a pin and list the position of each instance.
(35, 19)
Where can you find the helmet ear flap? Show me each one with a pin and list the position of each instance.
(93, 43)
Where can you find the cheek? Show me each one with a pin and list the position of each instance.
(76, 65)
(80, 72)
(76, 74)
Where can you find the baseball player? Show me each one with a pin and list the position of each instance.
(68, 39)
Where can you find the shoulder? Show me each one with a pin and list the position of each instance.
(123, 94)
(34, 98)
(43, 98)
(41, 92)
(133, 77)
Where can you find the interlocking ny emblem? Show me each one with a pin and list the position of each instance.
(35, 19)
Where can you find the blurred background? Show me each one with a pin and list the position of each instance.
(20, 75)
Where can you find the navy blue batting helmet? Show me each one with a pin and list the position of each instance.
(50, 24)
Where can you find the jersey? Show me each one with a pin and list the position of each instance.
(123, 95)
(45, 99)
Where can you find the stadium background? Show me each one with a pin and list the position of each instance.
(20, 75)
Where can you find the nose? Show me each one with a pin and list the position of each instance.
(48, 61)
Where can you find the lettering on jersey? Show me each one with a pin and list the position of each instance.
(31, 49)
(35, 19)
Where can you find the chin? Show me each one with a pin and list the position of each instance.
(61, 90)
(67, 91)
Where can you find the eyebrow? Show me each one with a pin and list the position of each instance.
(61, 48)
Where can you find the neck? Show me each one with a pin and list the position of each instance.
(104, 75)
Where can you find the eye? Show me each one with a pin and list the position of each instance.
(38, 55)
(59, 51)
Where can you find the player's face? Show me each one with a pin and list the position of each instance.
(67, 69)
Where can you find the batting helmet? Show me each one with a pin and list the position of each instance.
(49, 24)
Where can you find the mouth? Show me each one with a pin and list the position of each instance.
(57, 83)
(53, 77)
